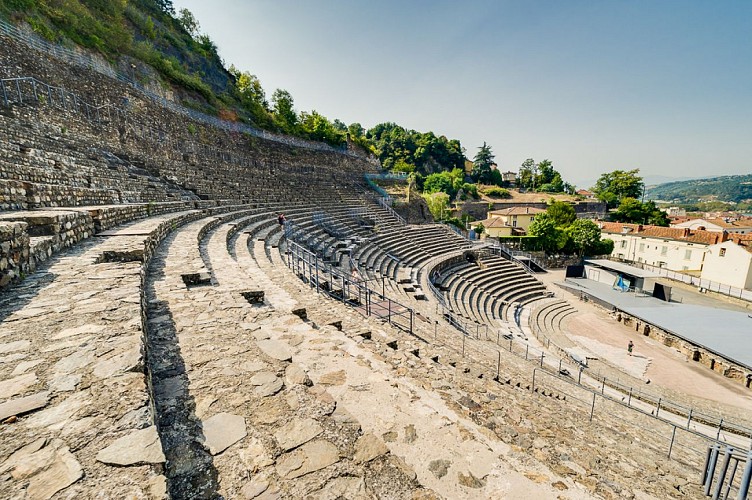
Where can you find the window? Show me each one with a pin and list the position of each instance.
(514, 222)
(624, 243)
(685, 268)
(687, 254)
(642, 247)
(722, 252)
(664, 249)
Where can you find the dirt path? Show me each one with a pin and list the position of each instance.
(593, 329)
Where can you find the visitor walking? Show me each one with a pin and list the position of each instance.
(281, 219)
(630, 347)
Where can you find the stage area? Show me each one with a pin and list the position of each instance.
(698, 320)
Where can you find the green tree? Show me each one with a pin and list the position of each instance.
(482, 165)
(550, 238)
(634, 211)
(584, 235)
(189, 22)
(283, 107)
(613, 187)
(561, 213)
(438, 204)
(526, 174)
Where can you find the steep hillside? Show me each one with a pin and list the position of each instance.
(731, 188)
(166, 51)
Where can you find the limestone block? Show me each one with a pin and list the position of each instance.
(139, 447)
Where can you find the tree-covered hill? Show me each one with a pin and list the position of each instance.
(730, 188)
(159, 47)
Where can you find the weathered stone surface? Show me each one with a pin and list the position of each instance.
(25, 365)
(18, 345)
(254, 488)
(352, 488)
(222, 431)
(74, 361)
(333, 378)
(127, 361)
(410, 434)
(262, 378)
(17, 385)
(369, 447)
(79, 330)
(61, 473)
(270, 389)
(64, 382)
(20, 406)
(139, 447)
(275, 349)
(470, 481)
(439, 467)
(295, 374)
(297, 432)
(310, 457)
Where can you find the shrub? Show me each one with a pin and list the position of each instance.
(497, 192)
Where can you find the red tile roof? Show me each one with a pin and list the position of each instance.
(665, 233)
(516, 211)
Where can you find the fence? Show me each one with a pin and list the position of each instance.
(704, 284)
(726, 469)
(85, 60)
(326, 279)
(637, 397)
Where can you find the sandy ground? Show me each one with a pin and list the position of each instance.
(593, 329)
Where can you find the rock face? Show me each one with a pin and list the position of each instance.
(139, 447)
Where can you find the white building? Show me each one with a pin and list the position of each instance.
(678, 249)
(730, 263)
(735, 226)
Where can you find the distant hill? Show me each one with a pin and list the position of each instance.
(728, 188)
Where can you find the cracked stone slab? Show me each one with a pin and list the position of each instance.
(369, 447)
(64, 471)
(312, 456)
(23, 405)
(17, 385)
(18, 345)
(222, 431)
(139, 447)
(297, 432)
(275, 349)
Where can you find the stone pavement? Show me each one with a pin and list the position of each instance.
(73, 396)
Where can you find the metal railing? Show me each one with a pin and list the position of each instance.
(345, 288)
(82, 59)
(633, 395)
(724, 473)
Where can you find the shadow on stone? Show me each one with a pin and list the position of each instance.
(189, 468)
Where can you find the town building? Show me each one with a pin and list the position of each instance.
(512, 221)
(678, 249)
(718, 225)
(730, 262)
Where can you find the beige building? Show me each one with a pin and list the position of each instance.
(730, 262)
(513, 221)
(678, 249)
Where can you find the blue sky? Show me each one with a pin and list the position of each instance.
(663, 86)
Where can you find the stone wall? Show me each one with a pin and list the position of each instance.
(147, 153)
(14, 252)
(716, 362)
